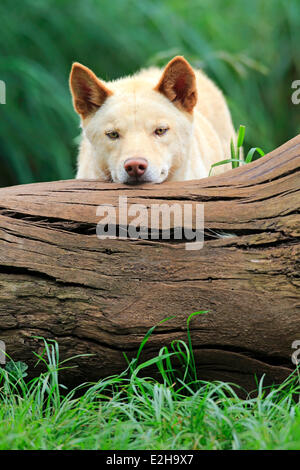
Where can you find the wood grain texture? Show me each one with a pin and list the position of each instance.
(58, 280)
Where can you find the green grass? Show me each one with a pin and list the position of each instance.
(131, 411)
(236, 155)
(250, 49)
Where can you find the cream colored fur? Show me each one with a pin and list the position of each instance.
(133, 107)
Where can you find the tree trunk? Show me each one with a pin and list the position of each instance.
(59, 280)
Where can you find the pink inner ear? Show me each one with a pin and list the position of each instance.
(180, 86)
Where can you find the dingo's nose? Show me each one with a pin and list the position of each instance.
(136, 166)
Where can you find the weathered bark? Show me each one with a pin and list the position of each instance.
(58, 280)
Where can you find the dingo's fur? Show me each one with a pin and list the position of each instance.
(154, 126)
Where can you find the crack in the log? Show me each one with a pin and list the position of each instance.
(272, 244)
(52, 222)
(42, 275)
(253, 199)
(209, 234)
(191, 197)
(280, 215)
(89, 229)
(234, 238)
(273, 361)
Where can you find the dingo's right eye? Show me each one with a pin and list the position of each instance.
(113, 135)
(161, 130)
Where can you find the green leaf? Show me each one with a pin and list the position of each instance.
(201, 312)
(251, 153)
(232, 149)
(241, 136)
(223, 162)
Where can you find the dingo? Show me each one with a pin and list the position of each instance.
(154, 126)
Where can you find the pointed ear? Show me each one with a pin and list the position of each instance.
(178, 84)
(88, 92)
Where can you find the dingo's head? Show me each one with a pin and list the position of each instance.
(139, 127)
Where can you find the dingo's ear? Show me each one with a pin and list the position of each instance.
(88, 92)
(178, 84)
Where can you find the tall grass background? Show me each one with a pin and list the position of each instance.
(251, 49)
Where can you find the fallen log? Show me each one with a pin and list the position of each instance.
(59, 280)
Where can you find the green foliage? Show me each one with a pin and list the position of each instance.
(249, 48)
(236, 152)
(133, 411)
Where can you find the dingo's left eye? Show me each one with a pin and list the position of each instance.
(113, 135)
(161, 130)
